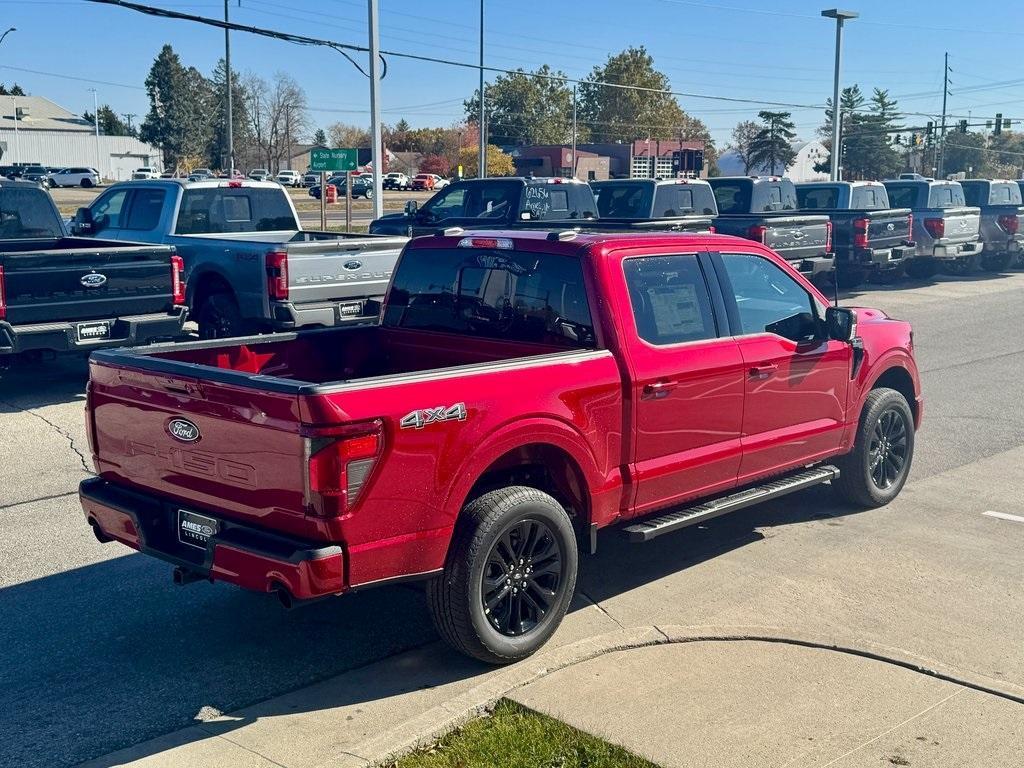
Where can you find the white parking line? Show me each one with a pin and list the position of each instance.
(1004, 516)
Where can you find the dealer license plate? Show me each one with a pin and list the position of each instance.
(195, 530)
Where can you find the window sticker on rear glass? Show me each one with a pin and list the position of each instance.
(538, 201)
(675, 310)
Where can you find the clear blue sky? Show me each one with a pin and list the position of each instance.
(748, 49)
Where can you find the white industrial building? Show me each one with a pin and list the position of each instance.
(808, 153)
(35, 130)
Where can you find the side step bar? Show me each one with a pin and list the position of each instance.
(682, 518)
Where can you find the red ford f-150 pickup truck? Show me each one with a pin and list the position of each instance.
(521, 391)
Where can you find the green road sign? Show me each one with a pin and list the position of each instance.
(333, 159)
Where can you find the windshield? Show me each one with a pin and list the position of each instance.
(27, 213)
(498, 294)
(623, 201)
(223, 210)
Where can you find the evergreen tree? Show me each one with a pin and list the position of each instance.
(320, 138)
(181, 109)
(217, 149)
(110, 123)
(772, 147)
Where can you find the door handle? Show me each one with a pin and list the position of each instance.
(763, 370)
(658, 389)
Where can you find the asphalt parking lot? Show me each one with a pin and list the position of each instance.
(102, 651)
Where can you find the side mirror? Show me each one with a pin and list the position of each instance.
(83, 223)
(411, 207)
(841, 323)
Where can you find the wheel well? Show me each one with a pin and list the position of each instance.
(899, 379)
(207, 285)
(544, 467)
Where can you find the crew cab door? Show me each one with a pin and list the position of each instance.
(464, 205)
(686, 380)
(796, 379)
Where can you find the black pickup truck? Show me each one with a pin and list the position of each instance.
(676, 205)
(870, 239)
(69, 294)
(496, 203)
(764, 208)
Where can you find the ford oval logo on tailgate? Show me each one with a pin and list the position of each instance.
(93, 280)
(183, 430)
(352, 265)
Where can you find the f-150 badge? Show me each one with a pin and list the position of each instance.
(426, 416)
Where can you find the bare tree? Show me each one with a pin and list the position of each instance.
(278, 117)
(345, 135)
(743, 136)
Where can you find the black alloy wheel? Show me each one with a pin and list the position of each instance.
(522, 577)
(888, 449)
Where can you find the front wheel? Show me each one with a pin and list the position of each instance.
(368, 194)
(874, 472)
(997, 262)
(509, 576)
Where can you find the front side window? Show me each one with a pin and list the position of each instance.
(106, 214)
(768, 300)
(449, 204)
(670, 299)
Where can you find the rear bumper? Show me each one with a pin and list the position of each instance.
(881, 258)
(238, 554)
(951, 251)
(129, 331)
(815, 265)
(327, 314)
(1009, 245)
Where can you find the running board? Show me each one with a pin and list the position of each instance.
(687, 516)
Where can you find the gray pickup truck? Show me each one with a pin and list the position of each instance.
(1002, 217)
(764, 208)
(249, 266)
(946, 229)
(870, 239)
(62, 294)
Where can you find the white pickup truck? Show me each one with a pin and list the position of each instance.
(249, 266)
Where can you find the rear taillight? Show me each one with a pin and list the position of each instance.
(177, 279)
(757, 233)
(277, 276)
(860, 233)
(1009, 224)
(910, 227)
(828, 237)
(936, 227)
(339, 467)
(711, 230)
(3, 296)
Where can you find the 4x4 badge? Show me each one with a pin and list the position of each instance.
(421, 418)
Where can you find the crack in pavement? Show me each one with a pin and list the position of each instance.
(600, 607)
(56, 428)
(51, 497)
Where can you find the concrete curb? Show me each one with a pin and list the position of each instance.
(442, 719)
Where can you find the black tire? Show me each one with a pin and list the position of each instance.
(220, 318)
(997, 262)
(962, 267)
(495, 530)
(874, 472)
(86, 183)
(922, 269)
(368, 194)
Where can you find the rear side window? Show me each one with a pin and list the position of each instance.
(732, 197)
(1005, 194)
(26, 213)
(498, 294)
(146, 207)
(220, 210)
(670, 299)
(946, 196)
(817, 198)
(673, 200)
(869, 199)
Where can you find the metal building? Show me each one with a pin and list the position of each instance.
(35, 130)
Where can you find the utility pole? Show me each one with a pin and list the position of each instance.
(574, 131)
(377, 137)
(227, 81)
(942, 130)
(128, 117)
(17, 137)
(288, 136)
(482, 170)
(96, 118)
(840, 16)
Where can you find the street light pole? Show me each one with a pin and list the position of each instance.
(377, 137)
(14, 103)
(482, 159)
(840, 17)
(96, 119)
(227, 81)
(5, 34)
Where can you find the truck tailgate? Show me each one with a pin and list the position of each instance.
(341, 269)
(889, 228)
(59, 281)
(237, 454)
(798, 238)
(962, 224)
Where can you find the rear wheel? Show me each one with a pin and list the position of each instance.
(961, 267)
(874, 472)
(997, 262)
(86, 183)
(220, 318)
(922, 269)
(509, 577)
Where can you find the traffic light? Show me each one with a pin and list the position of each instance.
(999, 123)
(915, 140)
(963, 126)
(898, 139)
(930, 129)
